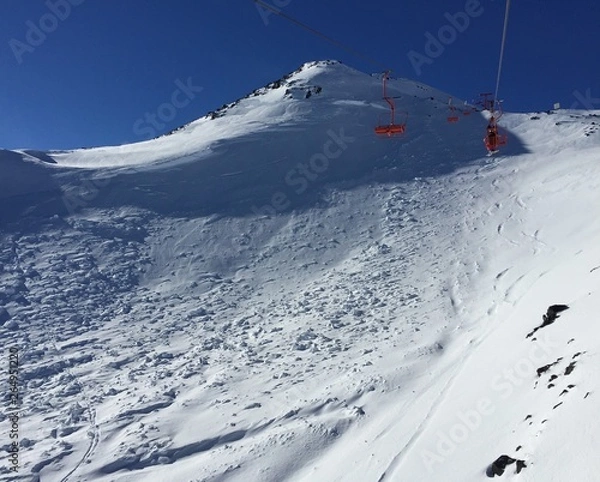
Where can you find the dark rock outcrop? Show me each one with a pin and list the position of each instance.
(498, 466)
(549, 317)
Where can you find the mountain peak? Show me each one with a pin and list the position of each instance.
(266, 293)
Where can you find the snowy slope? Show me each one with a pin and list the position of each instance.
(272, 293)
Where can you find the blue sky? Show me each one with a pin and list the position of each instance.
(100, 66)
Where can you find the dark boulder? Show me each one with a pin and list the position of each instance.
(498, 466)
(549, 317)
(552, 313)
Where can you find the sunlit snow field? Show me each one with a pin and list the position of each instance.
(276, 294)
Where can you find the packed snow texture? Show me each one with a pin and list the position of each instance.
(273, 293)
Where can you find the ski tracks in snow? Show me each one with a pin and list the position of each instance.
(454, 369)
(94, 436)
(504, 213)
(93, 432)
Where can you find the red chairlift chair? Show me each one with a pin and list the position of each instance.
(494, 139)
(391, 129)
(453, 117)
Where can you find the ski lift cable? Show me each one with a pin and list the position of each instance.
(502, 50)
(338, 44)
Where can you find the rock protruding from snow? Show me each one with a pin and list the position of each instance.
(499, 465)
(549, 317)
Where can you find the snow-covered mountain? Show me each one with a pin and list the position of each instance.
(272, 293)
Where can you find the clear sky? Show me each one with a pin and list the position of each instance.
(79, 73)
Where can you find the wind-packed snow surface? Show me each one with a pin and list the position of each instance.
(272, 293)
